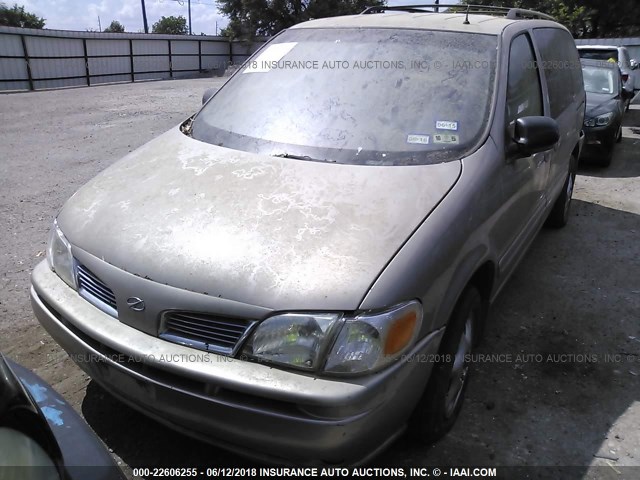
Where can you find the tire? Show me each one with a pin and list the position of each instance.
(559, 215)
(442, 399)
(619, 134)
(608, 155)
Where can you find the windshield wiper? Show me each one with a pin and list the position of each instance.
(301, 157)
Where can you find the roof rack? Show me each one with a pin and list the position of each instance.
(510, 13)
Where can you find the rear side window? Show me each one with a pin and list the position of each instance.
(599, 54)
(524, 96)
(561, 66)
(624, 59)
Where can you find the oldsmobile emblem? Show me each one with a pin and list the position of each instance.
(136, 304)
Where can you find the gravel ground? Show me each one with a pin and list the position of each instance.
(564, 392)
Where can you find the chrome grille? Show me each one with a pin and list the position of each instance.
(205, 332)
(96, 291)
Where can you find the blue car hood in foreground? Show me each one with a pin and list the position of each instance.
(83, 455)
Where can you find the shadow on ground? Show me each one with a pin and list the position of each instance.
(566, 298)
(141, 441)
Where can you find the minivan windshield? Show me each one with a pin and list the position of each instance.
(358, 96)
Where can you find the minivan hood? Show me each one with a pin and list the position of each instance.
(274, 232)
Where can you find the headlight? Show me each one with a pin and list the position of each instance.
(295, 339)
(371, 341)
(59, 256)
(338, 345)
(599, 121)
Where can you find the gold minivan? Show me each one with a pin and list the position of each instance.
(300, 271)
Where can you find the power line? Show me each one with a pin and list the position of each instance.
(198, 2)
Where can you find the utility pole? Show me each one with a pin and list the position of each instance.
(189, 7)
(437, 8)
(99, 24)
(144, 18)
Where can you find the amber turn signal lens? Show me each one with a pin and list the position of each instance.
(400, 333)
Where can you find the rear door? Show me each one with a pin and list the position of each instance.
(563, 74)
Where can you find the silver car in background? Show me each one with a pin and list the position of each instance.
(616, 54)
(300, 270)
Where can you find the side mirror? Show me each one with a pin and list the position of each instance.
(535, 134)
(208, 93)
(634, 64)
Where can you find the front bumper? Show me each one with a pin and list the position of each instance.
(249, 408)
(600, 139)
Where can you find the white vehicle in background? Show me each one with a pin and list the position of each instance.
(618, 54)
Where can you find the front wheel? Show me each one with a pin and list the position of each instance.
(559, 215)
(442, 400)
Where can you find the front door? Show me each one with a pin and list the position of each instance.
(523, 179)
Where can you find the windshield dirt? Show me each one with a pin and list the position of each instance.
(358, 96)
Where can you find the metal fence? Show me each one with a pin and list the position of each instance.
(32, 59)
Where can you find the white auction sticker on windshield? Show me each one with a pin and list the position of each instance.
(446, 125)
(418, 139)
(446, 138)
(269, 58)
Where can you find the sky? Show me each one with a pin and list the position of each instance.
(83, 14)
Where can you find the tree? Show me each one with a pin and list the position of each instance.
(171, 25)
(250, 18)
(17, 17)
(115, 27)
(584, 18)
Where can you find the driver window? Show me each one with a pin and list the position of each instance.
(524, 96)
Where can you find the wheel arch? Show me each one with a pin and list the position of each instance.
(477, 271)
(484, 280)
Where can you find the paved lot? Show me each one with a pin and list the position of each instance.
(565, 390)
